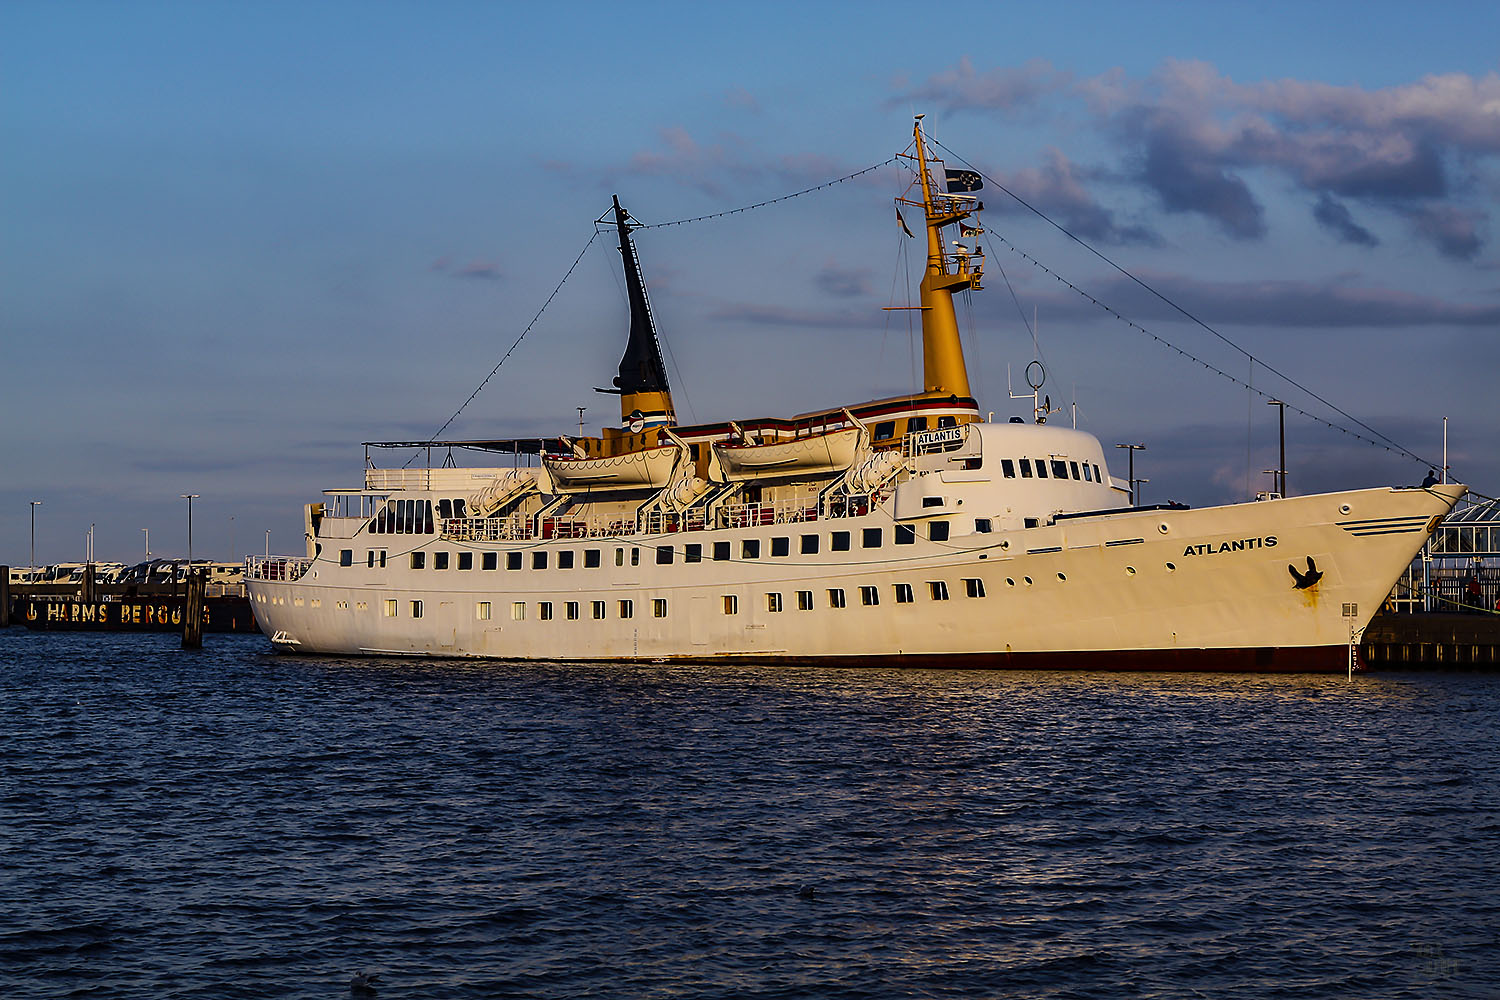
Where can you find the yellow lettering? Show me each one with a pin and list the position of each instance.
(176, 616)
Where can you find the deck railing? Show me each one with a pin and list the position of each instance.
(279, 568)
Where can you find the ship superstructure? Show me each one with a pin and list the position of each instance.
(900, 530)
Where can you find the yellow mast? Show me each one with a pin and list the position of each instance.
(943, 369)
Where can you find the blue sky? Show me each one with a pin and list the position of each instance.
(236, 240)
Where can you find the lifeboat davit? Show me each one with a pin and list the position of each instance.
(833, 451)
(651, 467)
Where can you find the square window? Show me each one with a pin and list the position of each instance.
(781, 546)
(590, 558)
(974, 587)
(489, 560)
(906, 534)
(482, 611)
(544, 610)
(512, 560)
(418, 560)
(598, 609)
(518, 611)
(869, 596)
(839, 541)
(937, 531)
(773, 602)
(539, 559)
(983, 525)
(750, 548)
(871, 538)
(692, 552)
(932, 502)
(346, 557)
(916, 424)
(466, 560)
(809, 545)
(835, 598)
(565, 559)
(721, 551)
(572, 611)
(731, 604)
(884, 431)
(903, 593)
(440, 560)
(664, 555)
(659, 607)
(627, 609)
(416, 609)
(804, 600)
(938, 589)
(390, 609)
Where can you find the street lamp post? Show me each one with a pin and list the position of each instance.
(1281, 463)
(1132, 449)
(148, 542)
(32, 570)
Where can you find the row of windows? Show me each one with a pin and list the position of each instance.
(869, 596)
(1060, 469)
(693, 552)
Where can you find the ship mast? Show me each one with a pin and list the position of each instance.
(645, 398)
(943, 369)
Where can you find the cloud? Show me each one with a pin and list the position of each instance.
(483, 270)
(1057, 189)
(1001, 89)
(742, 99)
(1451, 229)
(845, 283)
(1334, 216)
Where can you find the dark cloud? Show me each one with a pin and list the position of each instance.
(1057, 190)
(1189, 178)
(1451, 229)
(1334, 216)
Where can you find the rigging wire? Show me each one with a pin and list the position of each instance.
(1392, 445)
(773, 201)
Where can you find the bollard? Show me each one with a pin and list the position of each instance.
(192, 613)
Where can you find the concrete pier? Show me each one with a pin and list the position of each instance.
(1432, 642)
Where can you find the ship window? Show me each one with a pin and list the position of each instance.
(346, 557)
(694, 451)
(915, 424)
(937, 531)
(635, 557)
(572, 611)
(1074, 467)
(427, 517)
(839, 541)
(973, 586)
(932, 502)
(664, 555)
(781, 546)
(458, 507)
(869, 596)
(1041, 468)
(512, 560)
(1007, 468)
(482, 610)
(539, 559)
(721, 551)
(565, 559)
(871, 538)
(692, 552)
(416, 609)
(983, 526)
(1059, 469)
(1025, 468)
(1097, 478)
(590, 558)
(750, 548)
(809, 545)
(619, 557)
(773, 602)
(906, 534)
(418, 560)
(466, 560)
(947, 421)
(731, 604)
(489, 560)
(1088, 474)
(903, 593)
(836, 598)
(804, 600)
(659, 607)
(544, 610)
(390, 609)
(885, 430)
(518, 611)
(598, 609)
(380, 554)
(1031, 522)
(445, 508)
(370, 558)
(440, 560)
(939, 589)
(627, 609)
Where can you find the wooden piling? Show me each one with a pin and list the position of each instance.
(192, 613)
(86, 591)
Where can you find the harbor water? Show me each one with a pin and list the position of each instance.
(231, 823)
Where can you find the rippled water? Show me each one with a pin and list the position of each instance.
(230, 823)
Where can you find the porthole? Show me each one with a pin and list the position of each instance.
(1163, 528)
(1130, 571)
(1028, 580)
(1009, 582)
(1345, 509)
(1062, 578)
(1171, 567)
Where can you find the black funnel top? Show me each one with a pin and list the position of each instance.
(641, 369)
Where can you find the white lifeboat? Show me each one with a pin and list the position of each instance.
(833, 451)
(651, 467)
(502, 490)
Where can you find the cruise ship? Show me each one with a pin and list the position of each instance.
(899, 531)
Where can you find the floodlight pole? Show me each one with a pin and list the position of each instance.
(1132, 448)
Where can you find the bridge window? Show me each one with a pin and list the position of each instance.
(1097, 478)
(1059, 469)
(916, 424)
(885, 430)
(947, 422)
(1025, 468)
(1041, 468)
(1088, 475)
(1074, 467)
(445, 509)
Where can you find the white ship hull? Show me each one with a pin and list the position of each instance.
(1196, 589)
